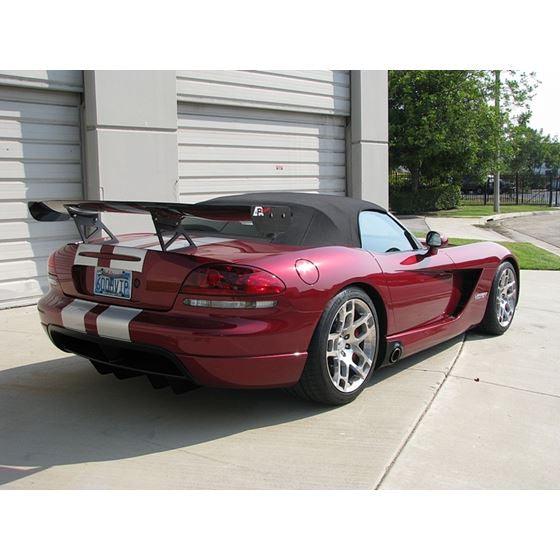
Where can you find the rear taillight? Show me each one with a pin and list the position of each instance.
(51, 270)
(232, 280)
(52, 277)
(50, 266)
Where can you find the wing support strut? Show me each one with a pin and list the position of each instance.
(89, 224)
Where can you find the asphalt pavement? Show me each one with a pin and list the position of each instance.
(545, 227)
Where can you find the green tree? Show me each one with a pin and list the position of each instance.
(527, 148)
(442, 123)
(439, 123)
(516, 91)
(552, 156)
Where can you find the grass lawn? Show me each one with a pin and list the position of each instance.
(476, 210)
(529, 256)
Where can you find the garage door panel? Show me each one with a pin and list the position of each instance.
(40, 170)
(40, 158)
(36, 131)
(194, 190)
(12, 230)
(56, 79)
(233, 150)
(39, 151)
(22, 269)
(22, 292)
(202, 197)
(16, 210)
(233, 113)
(269, 81)
(23, 190)
(257, 140)
(214, 92)
(26, 249)
(249, 125)
(337, 76)
(247, 169)
(235, 154)
(35, 112)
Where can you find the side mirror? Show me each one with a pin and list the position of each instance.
(435, 241)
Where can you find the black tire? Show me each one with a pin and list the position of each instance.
(315, 383)
(490, 323)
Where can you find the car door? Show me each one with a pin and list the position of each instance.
(420, 284)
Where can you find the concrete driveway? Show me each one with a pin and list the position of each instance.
(422, 424)
(465, 228)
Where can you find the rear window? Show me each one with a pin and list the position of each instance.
(246, 229)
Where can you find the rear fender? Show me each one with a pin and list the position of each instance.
(338, 268)
(485, 254)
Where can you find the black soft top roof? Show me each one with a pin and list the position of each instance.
(317, 219)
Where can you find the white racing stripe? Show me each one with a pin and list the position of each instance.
(135, 266)
(147, 241)
(209, 240)
(114, 322)
(126, 248)
(153, 244)
(84, 248)
(74, 313)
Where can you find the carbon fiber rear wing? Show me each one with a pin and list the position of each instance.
(166, 217)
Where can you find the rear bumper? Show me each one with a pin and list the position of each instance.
(279, 370)
(154, 343)
(248, 371)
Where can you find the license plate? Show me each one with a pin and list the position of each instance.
(111, 282)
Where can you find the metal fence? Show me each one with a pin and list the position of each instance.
(532, 190)
(537, 190)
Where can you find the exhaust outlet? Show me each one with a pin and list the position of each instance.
(395, 354)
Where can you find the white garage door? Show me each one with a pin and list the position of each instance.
(231, 150)
(40, 158)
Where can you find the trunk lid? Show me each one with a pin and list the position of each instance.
(155, 276)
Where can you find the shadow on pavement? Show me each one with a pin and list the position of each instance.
(63, 412)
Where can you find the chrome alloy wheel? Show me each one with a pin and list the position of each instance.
(506, 297)
(351, 345)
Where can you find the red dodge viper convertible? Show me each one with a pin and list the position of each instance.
(309, 292)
